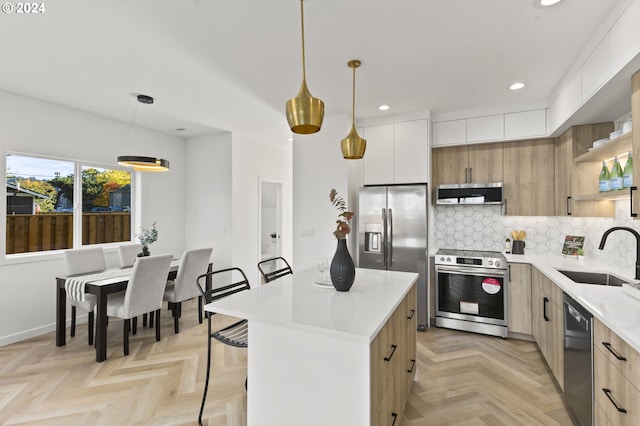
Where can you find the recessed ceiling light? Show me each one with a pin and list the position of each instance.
(384, 107)
(516, 86)
(549, 2)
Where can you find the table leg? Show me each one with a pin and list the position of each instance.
(101, 326)
(61, 315)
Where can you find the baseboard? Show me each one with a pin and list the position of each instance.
(39, 331)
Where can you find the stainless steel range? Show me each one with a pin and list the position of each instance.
(471, 291)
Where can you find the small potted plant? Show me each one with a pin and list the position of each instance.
(147, 236)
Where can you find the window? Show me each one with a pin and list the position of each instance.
(40, 212)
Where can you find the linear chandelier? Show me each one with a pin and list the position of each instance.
(139, 162)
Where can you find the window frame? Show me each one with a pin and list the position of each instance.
(78, 165)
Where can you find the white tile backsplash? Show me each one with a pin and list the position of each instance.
(485, 228)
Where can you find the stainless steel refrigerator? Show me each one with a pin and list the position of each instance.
(392, 234)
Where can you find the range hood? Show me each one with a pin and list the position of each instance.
(469, 194)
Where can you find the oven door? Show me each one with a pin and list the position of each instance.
(471, 294)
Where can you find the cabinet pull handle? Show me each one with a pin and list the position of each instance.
(393, 350)
(395, 417)
(633, 188)
(413, 364)
(505, 206)
(544, 308)
(470, 174)
(569, 205)
(608, 393)
(509, 272)
(618, 356)
(411, 313)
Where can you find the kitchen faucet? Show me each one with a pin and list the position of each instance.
(635, 234)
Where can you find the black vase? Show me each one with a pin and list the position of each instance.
(342, 269)
(145, 252)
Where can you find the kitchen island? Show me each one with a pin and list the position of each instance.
(318, 356)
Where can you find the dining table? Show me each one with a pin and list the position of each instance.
(101, 284)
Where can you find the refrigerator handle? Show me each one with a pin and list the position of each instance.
(384, 238)
(390, 239)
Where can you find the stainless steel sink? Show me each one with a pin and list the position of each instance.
(595, 278)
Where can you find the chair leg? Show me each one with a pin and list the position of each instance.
(206, 381)
(135, 325)
(200, 309)
(151, 314)
(125, 335)
(73, 321)
(158, 325)
(176, 311)
(91, 327)
(144, 320)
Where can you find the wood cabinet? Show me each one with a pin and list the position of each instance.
(635, 134)
(396, 153)
(393, 363)
(616, 378)
(529, 178)
(467, 164)
(519, 304)
(574, 180)
(547, 322)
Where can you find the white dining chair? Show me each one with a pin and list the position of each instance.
(80, 261)
(143, 294)
(192, 264)
(128, 253)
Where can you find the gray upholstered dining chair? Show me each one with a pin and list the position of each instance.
(128, 253)
(192, 264)
(143, 294)
(80, 261)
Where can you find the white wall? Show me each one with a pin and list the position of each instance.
(207, 194)
(318, 166)
(35, 127)
(253, 160)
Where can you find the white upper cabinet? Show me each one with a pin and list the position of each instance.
(596, 69)
(396, 153)
(378, 158)
(491, 128)
(452, 132)
(567, 102)
(525, 124)
(411, 152)
(624, 37)
(483, 129)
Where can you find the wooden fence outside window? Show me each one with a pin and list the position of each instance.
(54, 231)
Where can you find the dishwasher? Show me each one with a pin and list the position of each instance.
(578, 360)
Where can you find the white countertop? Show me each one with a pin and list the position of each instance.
(295, 301)
(611, 305)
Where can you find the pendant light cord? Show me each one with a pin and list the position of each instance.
(304, 74)
(126, 137)
(353, 99)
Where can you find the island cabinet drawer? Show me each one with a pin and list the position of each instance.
(384, 360)
(411, 325)
(617, 397)
(617, 351)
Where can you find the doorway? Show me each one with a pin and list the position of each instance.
(270, 219)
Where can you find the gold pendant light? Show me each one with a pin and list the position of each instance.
(138, 162)
(304, 112)
(353, 146)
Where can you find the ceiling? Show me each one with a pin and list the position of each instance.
(196, 56)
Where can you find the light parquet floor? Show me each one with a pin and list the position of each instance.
(463, 379)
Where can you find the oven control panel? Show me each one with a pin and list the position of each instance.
(477, 259)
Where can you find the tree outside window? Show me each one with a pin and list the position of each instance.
(40, 200)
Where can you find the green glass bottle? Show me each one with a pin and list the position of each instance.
(605, 178)
(627, 174)
(616, 175)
